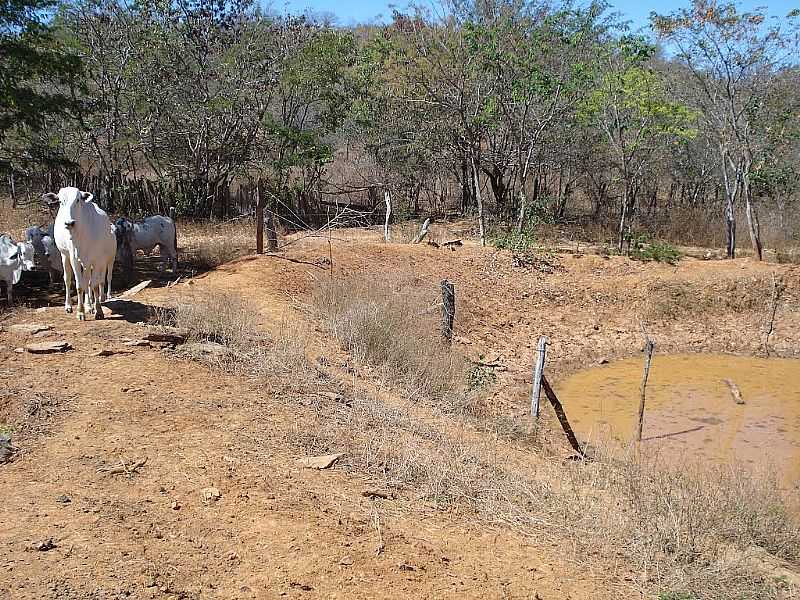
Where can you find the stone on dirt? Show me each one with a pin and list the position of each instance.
(63, 499)
(143, 343)
(210, 493)
(109, 352)
(172, 335)
(46, 545)
(7, 449)
(28, 328)
(321, 462)
(48, 347)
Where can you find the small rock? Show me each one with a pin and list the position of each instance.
(375, 494)
(176, 505)
(7, 449)
(232, 556)
(321, 462)
(46, 545)
(346, 560)
(19, 350)
(602, 361)
(29, 328)
(63, 499)
(109, 352)
(48, 347)
(171, 335)
(210, 493)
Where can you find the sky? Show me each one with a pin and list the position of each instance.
(637, 11)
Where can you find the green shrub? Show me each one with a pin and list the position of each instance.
(518, 242)
(642, 249)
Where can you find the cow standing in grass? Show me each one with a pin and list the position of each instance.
(145, 236)
(85, 237)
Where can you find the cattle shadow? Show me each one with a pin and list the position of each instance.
(134, 311)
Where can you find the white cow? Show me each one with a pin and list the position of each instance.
(14, 258)
(153, 231)
(34, 235)
(86, 241)
(52, 258)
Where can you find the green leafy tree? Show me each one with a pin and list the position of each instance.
(32, 65)
(632, 108)
(733, 57)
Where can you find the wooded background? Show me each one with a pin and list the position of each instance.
(557, 113)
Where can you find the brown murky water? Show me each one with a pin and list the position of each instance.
(690, 411)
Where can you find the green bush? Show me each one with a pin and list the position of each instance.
(518, 242)
(642, 249)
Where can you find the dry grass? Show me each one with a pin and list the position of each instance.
(678, 530)
(687, 529)
(674, 299)
(223, 332)
(395, 329)
(207, 245)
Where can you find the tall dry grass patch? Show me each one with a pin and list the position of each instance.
(394, 328)
(223, 332)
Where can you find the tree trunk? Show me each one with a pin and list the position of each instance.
(730, 227)
(476, 183)
(623, 217)
(466, 188)
(752, 219)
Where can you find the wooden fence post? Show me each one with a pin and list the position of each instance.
(422, 232)
(648, 348)
(259, 222)
(387, 198)
(538, 373)
(448, 310)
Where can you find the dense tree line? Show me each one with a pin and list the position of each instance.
(516, 111)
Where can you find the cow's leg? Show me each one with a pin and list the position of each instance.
(109, 273)
(67, 264)
(81, 281)
(10, 293)
(96, 285)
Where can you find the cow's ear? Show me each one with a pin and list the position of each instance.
(87, 196)
(50, 198)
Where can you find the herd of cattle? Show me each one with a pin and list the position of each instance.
(81, 246)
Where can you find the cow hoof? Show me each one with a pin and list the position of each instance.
(99, 316)
(68, 310)
(81, 317)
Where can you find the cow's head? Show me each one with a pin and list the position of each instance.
(70, 202)
(49, 245)
(25, 255)
(123, 229)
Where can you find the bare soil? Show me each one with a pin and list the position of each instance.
(279, 530)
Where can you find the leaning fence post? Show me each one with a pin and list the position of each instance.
(538, 371)
(448, 310)
(648, 348)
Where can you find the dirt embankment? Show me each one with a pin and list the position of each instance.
(277, 529)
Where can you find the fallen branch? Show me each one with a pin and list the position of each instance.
(121, 468)
(735, 393)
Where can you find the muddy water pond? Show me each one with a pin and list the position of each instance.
(691, 413)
